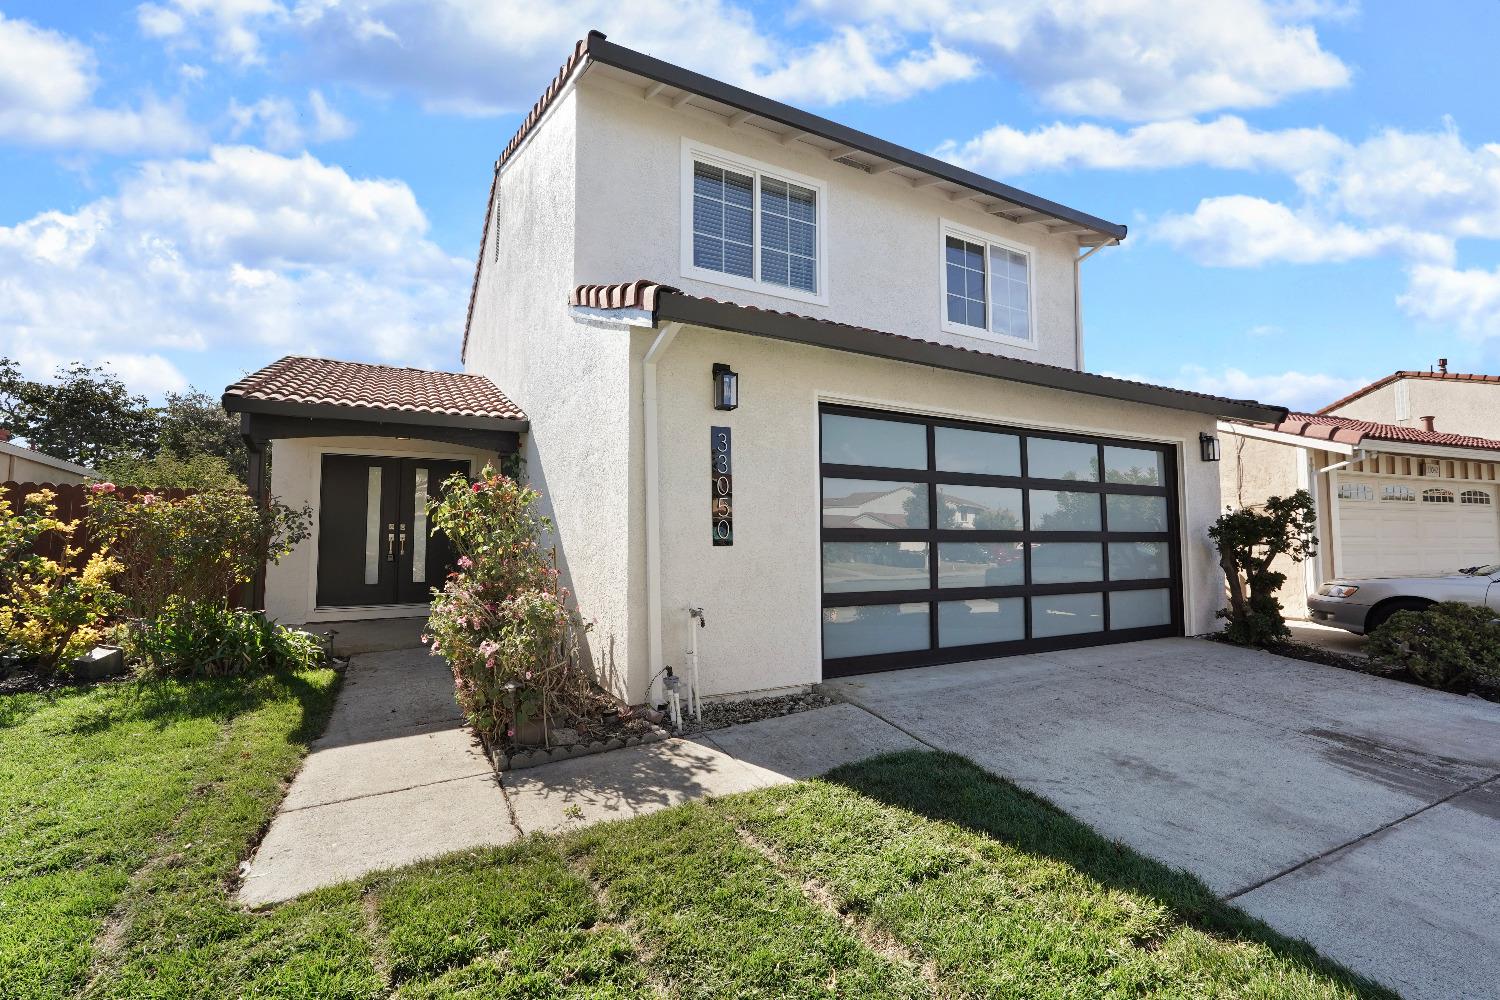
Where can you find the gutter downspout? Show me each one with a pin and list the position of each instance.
(664, 338)
(1078, 300)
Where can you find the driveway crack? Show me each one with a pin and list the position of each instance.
(1472, 786)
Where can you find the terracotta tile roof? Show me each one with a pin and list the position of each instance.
(1395, 376)
(303, 381)
(639, 294)
(647, 295)
(1346, 430)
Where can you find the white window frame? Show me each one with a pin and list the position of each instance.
(697, 152)
(949, 228)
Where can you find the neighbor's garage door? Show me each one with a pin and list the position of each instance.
(1409, 526)
(946, 541)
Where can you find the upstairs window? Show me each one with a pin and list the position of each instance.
(751, 226)
(987, 287)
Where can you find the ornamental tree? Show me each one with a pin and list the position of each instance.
(1249, 541)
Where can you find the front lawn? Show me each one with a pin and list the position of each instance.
(128, 808)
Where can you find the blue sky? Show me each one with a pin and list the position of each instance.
(193, 187)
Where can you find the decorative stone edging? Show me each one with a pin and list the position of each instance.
(521, 759)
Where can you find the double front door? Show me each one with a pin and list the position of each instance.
(375, 544)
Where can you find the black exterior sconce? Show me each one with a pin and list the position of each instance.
(1208, 447)
(726, 387)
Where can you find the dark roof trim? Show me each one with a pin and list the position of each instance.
(602, 50)
(673, 306)
(339, 411)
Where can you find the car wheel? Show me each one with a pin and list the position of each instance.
(1381, 613)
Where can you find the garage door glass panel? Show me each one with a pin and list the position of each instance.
(945, 540)
(850, 567)
(889, 444)
(1067, 614)
(979, 452)
(1139, 608)
(1139, 561)
(1066, 562)
(1054, 510)
(1136, 513)
(1050, 459)
(875, 629)
(873, 503)
(978, 508)
(972, 623)
(1138, 466)
(981, 564)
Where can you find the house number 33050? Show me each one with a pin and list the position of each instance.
(721, 490)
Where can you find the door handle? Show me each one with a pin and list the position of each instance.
(403, 539)
(390, 542)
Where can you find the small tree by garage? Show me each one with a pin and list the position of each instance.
(1250, 540)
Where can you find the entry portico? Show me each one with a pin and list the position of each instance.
(363, 447)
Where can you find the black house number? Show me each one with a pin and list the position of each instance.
(721, 489)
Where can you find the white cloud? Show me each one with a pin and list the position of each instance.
(283, 127)
(1296, 390)
(1467, 300)
(244, 251)
(1132, 59)
(492, 56)
(1242, 231)
(47, 84)
(232, 27)
(1226, 143)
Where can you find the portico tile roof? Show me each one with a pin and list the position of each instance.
(397, 391)
(1346, 430)
(649, 296)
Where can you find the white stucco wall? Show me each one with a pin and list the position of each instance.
(297, 480)
(1460, 407)
(883, 238)
(761, 595)
(1252, 471)
(572, 380)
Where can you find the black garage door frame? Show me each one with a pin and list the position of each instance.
(932, 594)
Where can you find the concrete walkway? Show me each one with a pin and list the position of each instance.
(397, 778)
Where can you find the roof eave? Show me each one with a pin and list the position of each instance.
(675, 307)
(600, 49)
(235, 403)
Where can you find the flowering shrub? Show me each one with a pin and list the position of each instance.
(50, 610)
(501, 616)
(198, 547)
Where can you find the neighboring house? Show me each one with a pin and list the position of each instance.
(757, 353)
(1431, 400)
(1391, 499)
(22, 465)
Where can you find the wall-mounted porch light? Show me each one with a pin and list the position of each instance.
(1208, 447)
(726, 388)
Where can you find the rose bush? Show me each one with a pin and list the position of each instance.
(501, 616)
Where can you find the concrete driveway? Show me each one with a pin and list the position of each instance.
(1358, 813)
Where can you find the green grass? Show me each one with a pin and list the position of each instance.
(128, 807)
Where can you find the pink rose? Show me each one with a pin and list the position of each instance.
(466, 562)
(102, 488)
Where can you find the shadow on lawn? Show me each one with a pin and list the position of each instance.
(949, 788)
(166, 701)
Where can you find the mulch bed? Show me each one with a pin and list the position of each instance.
(719, 714)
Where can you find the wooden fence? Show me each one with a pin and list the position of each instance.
(71, 500)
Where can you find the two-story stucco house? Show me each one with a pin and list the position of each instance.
(827, 389)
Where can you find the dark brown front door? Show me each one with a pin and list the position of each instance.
(375, 544)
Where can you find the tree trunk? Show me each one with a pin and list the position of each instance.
(1237, 604)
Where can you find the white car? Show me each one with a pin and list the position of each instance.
(1362, 606)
